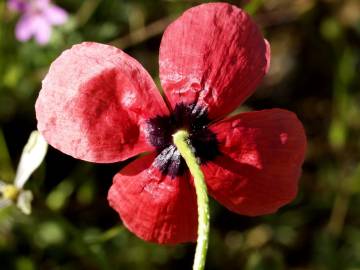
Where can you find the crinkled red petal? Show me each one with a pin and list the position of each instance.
(94, 103)
(153, 206)
(260, 164)
(213, 55)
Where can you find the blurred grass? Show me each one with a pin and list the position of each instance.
(314, 72)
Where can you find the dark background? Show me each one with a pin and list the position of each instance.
(314, 72)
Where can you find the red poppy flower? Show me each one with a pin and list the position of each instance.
(98, 104)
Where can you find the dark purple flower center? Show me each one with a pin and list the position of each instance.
(194, 120)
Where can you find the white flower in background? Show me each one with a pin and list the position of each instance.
(32, 156)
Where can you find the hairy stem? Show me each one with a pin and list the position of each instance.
(182, 143)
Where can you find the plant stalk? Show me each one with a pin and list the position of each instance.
(181, 141)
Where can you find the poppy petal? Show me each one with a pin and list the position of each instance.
(262, 154)
(94, 104)
(214, 55)
(153, 206)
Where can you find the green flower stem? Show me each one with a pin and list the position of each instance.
(182, 143)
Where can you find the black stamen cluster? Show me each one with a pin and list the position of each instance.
(194, 120)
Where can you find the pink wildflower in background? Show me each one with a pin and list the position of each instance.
(38, 16)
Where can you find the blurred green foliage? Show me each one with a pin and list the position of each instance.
(314, 72)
